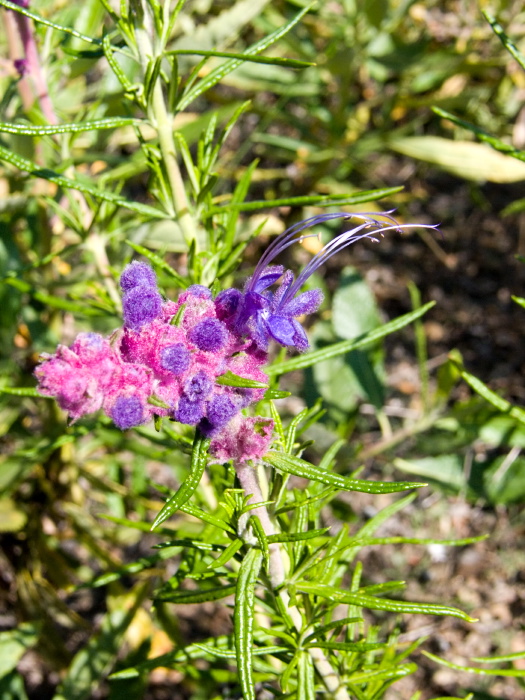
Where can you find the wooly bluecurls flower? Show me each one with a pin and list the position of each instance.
(168, 356)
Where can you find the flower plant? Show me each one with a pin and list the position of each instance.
(182, 367)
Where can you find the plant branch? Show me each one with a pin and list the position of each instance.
(276, 571)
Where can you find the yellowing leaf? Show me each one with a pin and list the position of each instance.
(466, 159)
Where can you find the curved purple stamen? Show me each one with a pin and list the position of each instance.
(266, 315)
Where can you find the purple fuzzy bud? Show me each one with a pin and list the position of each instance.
(188, 411)
(220, 409)
(136, 274)
(198, 387)
(226, 303)
(175, 358)
(127, 412)
(209, 335)
(141, 305)
(21, 66)
(199, 291)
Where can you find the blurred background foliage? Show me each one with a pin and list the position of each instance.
(358, 117)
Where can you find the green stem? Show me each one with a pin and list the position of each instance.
(276, 571)
(162, 119)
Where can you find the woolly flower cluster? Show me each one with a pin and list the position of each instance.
(165, 361)
(176, 359)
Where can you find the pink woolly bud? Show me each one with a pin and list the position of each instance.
(243, 439)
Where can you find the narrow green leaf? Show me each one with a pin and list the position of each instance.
(230, 551)
(48, 23)
(262, 538)
(482, 135)
(500, 658)
(382, 674)
(494, 399)
(199, 459)
(305, 678)
(243, 616)
(243, 57)
(347, 646)
(298, 536)
(271, 394)
(231, 379)
(372, 603)
(45, 173)
(158, 262)
(23, 391)
(227, 67)
(507, 43)
(202, 595)
(53, 301)
(335, 625)
(504, 672)
(71, 128)
(308, 200)
(298, 467)
(346, 346)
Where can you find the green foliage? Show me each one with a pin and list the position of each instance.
(105, 160)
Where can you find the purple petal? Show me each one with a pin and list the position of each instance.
(265, 279)
(300, 339)
(281, 329)
(305, 303)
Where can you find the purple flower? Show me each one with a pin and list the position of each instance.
(199, 291)
(21, 66)
(127, 412)
(188, 411)
(175, 358)
(209, 335)
(198, 387)
(141, 305)
(264, 315)
(220, 409)
(136, 274)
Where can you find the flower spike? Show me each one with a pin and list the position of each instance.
(264, 315)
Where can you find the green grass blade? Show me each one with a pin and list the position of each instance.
(345, 346)
(298, 467)
(199, 459)
(45, 173)
(243, 617)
